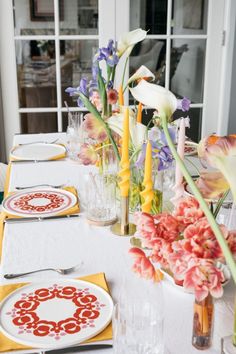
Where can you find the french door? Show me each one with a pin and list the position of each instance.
(50, 44)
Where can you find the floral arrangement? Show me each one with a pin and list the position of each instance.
(188, 241)
(183, 244)
(103, 124)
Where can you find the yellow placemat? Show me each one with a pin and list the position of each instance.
(98, 279)
(3, 215)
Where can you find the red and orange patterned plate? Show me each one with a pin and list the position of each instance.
(39, 202)
(55, 314)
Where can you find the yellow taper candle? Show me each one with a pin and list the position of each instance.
(139, 113)
(121, 96)
(147, 193)
(124, 163)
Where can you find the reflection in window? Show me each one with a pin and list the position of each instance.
(187, 67)
(150, 15)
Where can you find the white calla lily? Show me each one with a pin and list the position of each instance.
(128, 40)
(137, 130)
(142, 72)
(155, 96)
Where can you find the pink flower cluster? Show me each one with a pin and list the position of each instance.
(184, 244)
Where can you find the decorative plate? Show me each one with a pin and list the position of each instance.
(39, 202)
(190, 148)
(37, 151)
(50, 314)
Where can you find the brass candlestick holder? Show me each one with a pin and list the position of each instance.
(124, 228)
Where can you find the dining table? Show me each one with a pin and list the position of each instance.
(62, 243)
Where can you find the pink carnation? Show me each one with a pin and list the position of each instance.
(167, 227)
(231, 240)
(188, 211)
(142, 264)
(204, 278)
(199, 239)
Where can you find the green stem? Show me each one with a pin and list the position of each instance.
(220, 238)
(97, 115)
(220, 203)
(123, 76)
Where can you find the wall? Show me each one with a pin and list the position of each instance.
(232, 110)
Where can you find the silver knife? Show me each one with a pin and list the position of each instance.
(33, 219)
(78, 348)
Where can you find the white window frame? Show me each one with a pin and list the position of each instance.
(113, 21)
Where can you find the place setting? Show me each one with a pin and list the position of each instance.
(38, 152)
(55, 316)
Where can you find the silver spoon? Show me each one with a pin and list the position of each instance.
(58, 270)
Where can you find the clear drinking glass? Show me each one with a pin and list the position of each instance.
(100, 199)
(74, 134)
(138, 318)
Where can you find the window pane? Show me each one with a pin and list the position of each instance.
(187, 68)
(189, 16)
(36, 72)
(80, 17)
(150, 15)
(195, 115)
(76, 63)
(34, 17)
(38, 123)
(151, 53)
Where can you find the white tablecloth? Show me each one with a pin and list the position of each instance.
(66, 242)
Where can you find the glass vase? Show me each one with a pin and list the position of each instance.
(203, 323)
(135, 199)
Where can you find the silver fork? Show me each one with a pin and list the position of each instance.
(41, 185)
(58, 270)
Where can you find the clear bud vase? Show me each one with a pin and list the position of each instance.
(203, 323)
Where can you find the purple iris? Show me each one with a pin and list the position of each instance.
(141, 157)
(108, 54)
(83, 90)
(172, 132)
(72, 90)
(157, 134)
(165, 158)
(183, 104)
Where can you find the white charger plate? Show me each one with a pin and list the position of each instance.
(55, 314)
(39, 202)
(37, 151)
